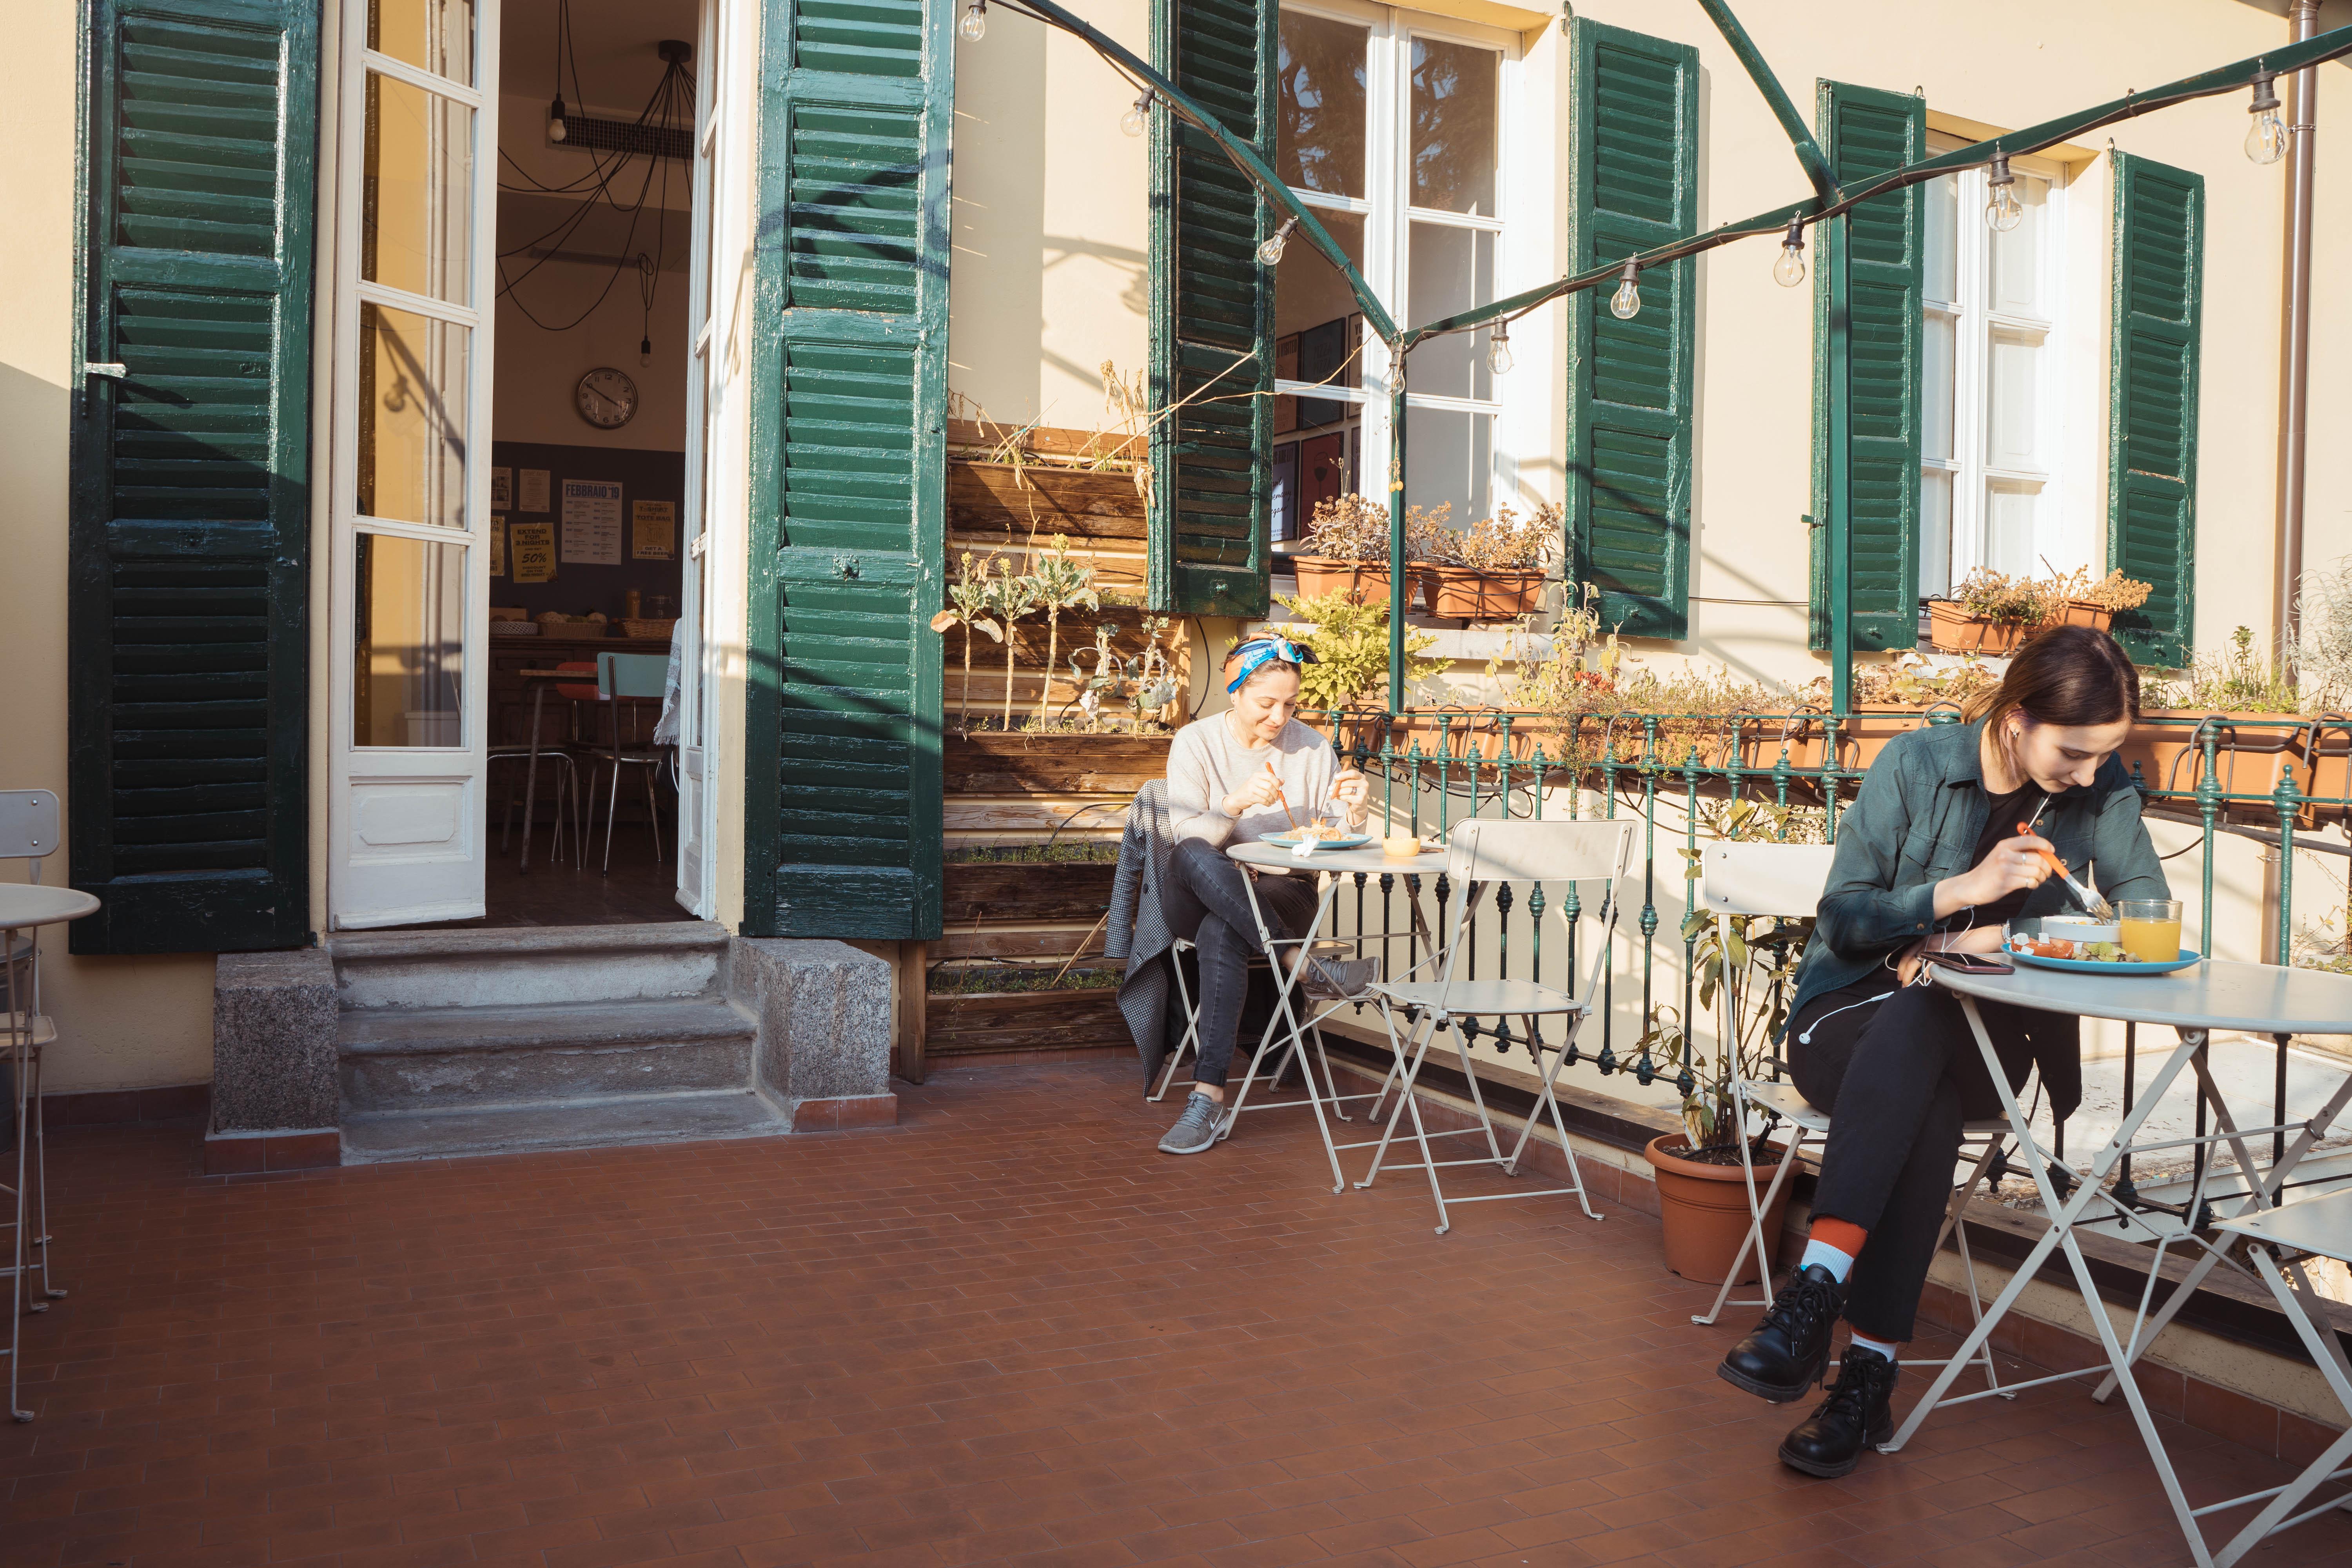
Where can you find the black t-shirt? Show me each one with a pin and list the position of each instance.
(2000, 821)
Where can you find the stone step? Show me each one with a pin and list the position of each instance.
(525, 964)
(539, 1054)
(379, 1137)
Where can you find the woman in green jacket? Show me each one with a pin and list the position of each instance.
(1929, 857)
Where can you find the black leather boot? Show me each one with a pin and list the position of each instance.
(1787, 1350)
(1853, 1420)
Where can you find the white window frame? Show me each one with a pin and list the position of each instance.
(1388, 126)
(1975, 323)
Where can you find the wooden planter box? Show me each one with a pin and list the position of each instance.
(1030, 636)
(1025, 889)
(1467, 593)
(995, 1023)
(993, 761)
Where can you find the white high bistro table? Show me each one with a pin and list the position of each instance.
(25, 907)
(1338, 862)
(2254, 998)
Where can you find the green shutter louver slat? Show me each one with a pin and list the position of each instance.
(187, 688)
(2160, 270)
(1634, 175)
(843, 811)
(1867, 133)
(1211, 316)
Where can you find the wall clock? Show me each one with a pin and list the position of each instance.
(606, 398)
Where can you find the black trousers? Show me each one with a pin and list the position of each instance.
(1898, 1076)
(1204, 900)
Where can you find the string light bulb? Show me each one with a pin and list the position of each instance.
(1789, 268)
(645, 350)
(555, 131)
(974, 25)
(1138, 117)
(1626, 303)
(2266, 137)
(2003, 211)
(1498, 349)
(1270, 250)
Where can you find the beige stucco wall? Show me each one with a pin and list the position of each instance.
(123, 1022)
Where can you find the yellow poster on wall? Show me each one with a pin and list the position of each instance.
(653, 530)
(534, 552)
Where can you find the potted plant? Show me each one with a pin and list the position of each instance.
(1494, 573)
(971, 604)
(1346, 550)
(2247, 706)
(1350, 639)
(1746, 966)
(1988, 613)
(2076, 601)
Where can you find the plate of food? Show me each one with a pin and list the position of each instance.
(2084, 946)
(1320, 836)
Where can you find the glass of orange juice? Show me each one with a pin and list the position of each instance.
(2151, 930)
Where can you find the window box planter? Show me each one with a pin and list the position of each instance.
(997, 762)
(1469, 593)
(2083, 612)
(1951, 629)
(1363, 582)
(997, 1023)
(2249, 753)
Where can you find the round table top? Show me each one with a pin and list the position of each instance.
(26, 904)
(1370, 857)
(2257, 998)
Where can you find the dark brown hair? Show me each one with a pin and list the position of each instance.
(2073, 676)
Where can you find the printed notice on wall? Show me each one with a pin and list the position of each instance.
(534, 491)
(498, 545)
(501, 489)
(534, 552)
(653, 530)
(591, 522)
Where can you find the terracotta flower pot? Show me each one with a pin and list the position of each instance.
(1363, 582)
(2250, 749)
(1953, 630)
(2083, 612)
(1469, 593)
(1706, 1211)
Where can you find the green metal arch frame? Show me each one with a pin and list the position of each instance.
(1830, 200)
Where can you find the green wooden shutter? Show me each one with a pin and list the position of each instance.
(1633, 170)
(191, 478)
(1212, 314)
(842, 810)
(1867, 133)
(2160, 280)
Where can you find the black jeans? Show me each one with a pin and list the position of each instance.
(1206, 901)
(1898, 1077)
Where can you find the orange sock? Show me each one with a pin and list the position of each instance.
(1847, 1236)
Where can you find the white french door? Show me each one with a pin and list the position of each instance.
(716, 456)
(415, 225)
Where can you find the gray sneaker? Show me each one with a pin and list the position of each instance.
(1196, 1130)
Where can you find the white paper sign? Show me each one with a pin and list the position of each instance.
(534, 491)
(653, 530)
(591, 522)
(502, 488)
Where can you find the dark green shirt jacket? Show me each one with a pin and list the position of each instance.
(1917, 821)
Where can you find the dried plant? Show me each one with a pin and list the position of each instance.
(1016, 595)
(971, 604)
(2324, 662)
(1990, 595)
(1348, 527)
(1508, 542)
(2117, 592)
(1061, 583)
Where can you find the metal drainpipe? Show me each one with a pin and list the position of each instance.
(2294, 399)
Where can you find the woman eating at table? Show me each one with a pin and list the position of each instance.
(1252, 771)
(1930, 859)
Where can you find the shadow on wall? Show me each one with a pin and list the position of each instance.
(996, 282)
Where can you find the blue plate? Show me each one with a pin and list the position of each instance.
(1290, 841)
(2093, 966)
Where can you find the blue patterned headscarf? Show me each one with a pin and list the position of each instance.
(1262, 650)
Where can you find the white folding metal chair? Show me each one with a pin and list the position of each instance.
(2279, 1242)
(1479, 853)
(1743, 880)
(30, 831)
(1190, 1039)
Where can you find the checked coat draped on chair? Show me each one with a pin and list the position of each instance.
(1138, 934)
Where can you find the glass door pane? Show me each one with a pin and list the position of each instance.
(436, 36)
(412, 377)
(1319, 104)
(408, 642)
(416, 229)
(1456, 101)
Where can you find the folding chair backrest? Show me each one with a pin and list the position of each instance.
(1591, 851)
(632, 674)
(28, 827)
(1764, 879)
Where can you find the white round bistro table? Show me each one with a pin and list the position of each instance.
(25, 907)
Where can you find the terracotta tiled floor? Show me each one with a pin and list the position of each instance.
(1006, 1331)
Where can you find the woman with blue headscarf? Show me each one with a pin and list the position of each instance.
(1230, 778)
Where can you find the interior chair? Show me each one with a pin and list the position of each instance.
(1744, 880)
(1478, 855)
(567, 787)
(29, 832)
(627, 679)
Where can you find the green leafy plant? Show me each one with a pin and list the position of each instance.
(2240, 678)
(1351, 644)
(972, 603)
(1016, 595)
(1062, 583)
